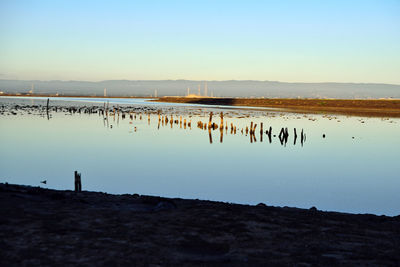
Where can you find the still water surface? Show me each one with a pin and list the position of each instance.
(355, 168)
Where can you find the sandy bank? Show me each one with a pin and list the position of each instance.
(49, 227)
(359, 107)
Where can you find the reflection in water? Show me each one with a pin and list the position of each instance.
(159, 150)
(183, 123)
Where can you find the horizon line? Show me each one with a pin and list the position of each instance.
(99, 81)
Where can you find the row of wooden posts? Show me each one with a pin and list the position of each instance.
(165, 119)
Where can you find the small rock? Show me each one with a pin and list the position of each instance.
(164, 205)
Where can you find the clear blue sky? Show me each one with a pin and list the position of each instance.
(303, 41)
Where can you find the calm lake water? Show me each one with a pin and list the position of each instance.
(355, 168)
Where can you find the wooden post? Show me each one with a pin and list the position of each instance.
(47, 108)
(222, 121)
(210, 120)
(78, 182)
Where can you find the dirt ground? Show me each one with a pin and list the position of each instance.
(49, 228)
(373, 108)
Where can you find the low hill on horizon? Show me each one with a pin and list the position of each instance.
(231, 88)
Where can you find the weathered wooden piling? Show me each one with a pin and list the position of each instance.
(222, 121)
(210, 120)
(47, 108)
(78, 182)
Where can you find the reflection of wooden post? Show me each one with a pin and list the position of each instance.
(295, 136)
(221, 132)
(210, 120)
(209, 135)
(261, 128)
(184, 123)
(78, 182)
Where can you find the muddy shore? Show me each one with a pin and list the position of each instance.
(355, 107)
(358, 107)
(49, 227)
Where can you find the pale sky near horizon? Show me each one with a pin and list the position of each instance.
(288, 41)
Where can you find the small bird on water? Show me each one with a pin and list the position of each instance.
(44, 182)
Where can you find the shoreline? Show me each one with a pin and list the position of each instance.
(354, 107)
(351, 107)
(50, 227)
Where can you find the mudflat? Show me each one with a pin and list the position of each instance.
(50, 227)
(360, 107)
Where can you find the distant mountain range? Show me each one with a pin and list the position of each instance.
(232, 88)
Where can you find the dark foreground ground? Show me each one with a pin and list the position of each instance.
(48, 227)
